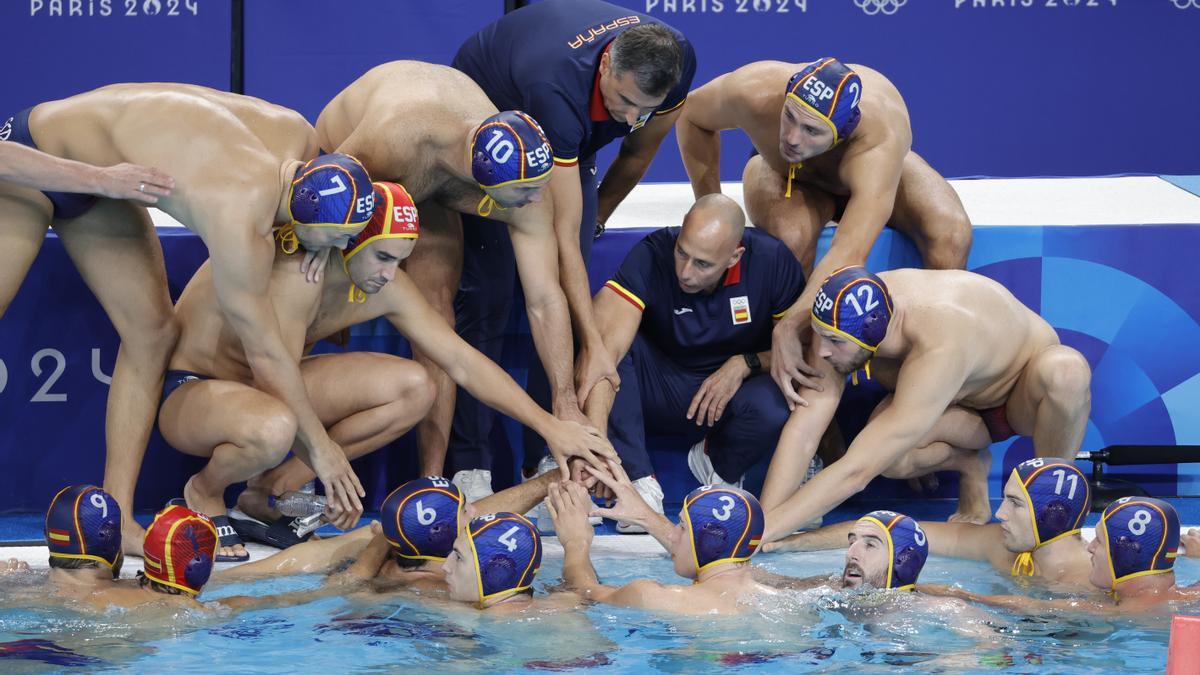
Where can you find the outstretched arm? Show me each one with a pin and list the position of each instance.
(315, 555)
(559, 216)
(550, 265)
(629, 507)
(708, 111)
(29, 167)
(636, 153)
(873, 178)
(1020, 604)
(800, 436)
(420, 323)
(365, 568)
(618, 320)
(926, 385)
(569, 505)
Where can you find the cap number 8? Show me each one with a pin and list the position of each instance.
(1138, 523)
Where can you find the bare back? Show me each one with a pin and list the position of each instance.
(126, 594)
(954, 314)
(408, 122)
(212, 142)
(751, 99)
(209, 346)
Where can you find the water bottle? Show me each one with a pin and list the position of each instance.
(297, 504)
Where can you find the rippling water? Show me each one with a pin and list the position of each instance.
(817, 630)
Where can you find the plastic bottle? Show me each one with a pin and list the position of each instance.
(297, 504)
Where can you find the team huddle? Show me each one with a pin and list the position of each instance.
(423, 195)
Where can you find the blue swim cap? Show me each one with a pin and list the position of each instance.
(855, 304)
(332, 190)
(1059, 497)
(1143, 537)
(907, 547)
(830, 90)
(509, 148)
(422, 517)
(508, 553)
(84, 523)
(725, 523)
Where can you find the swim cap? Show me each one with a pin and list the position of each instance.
(1059, 497)
(507, 551)
(830, 90)
(855, 304)
(84, 523)
(331, 190)
(421, 518)
(725, 524)
(509, 148)
(179, 549)
(1143, 537)
(395, 217)
(907, 547)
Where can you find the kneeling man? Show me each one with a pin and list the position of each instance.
(688, 317)
(967, 365)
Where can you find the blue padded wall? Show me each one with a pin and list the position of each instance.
(56, 48)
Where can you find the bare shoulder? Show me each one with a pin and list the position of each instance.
(759, 85)
(558, 601)
(424, 92)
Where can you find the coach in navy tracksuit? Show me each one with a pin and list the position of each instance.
(589, 72)
(689, 314)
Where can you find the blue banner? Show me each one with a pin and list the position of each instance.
(994, 87)
(56, 48)
(301, 53)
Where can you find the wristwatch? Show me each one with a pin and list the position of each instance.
(753, 363)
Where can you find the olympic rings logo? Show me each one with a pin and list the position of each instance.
(890, 7)
(1184, 4)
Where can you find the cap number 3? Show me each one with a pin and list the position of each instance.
(724, 515)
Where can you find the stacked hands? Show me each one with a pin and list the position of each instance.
(570, 502)
(573, 445)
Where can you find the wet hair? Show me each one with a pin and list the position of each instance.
(651, 52)
(406, 563)
(144, 581)
(58, 562)
(72, 563)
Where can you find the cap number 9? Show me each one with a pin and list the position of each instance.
(99, 502)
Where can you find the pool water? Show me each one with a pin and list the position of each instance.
(819, 630)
